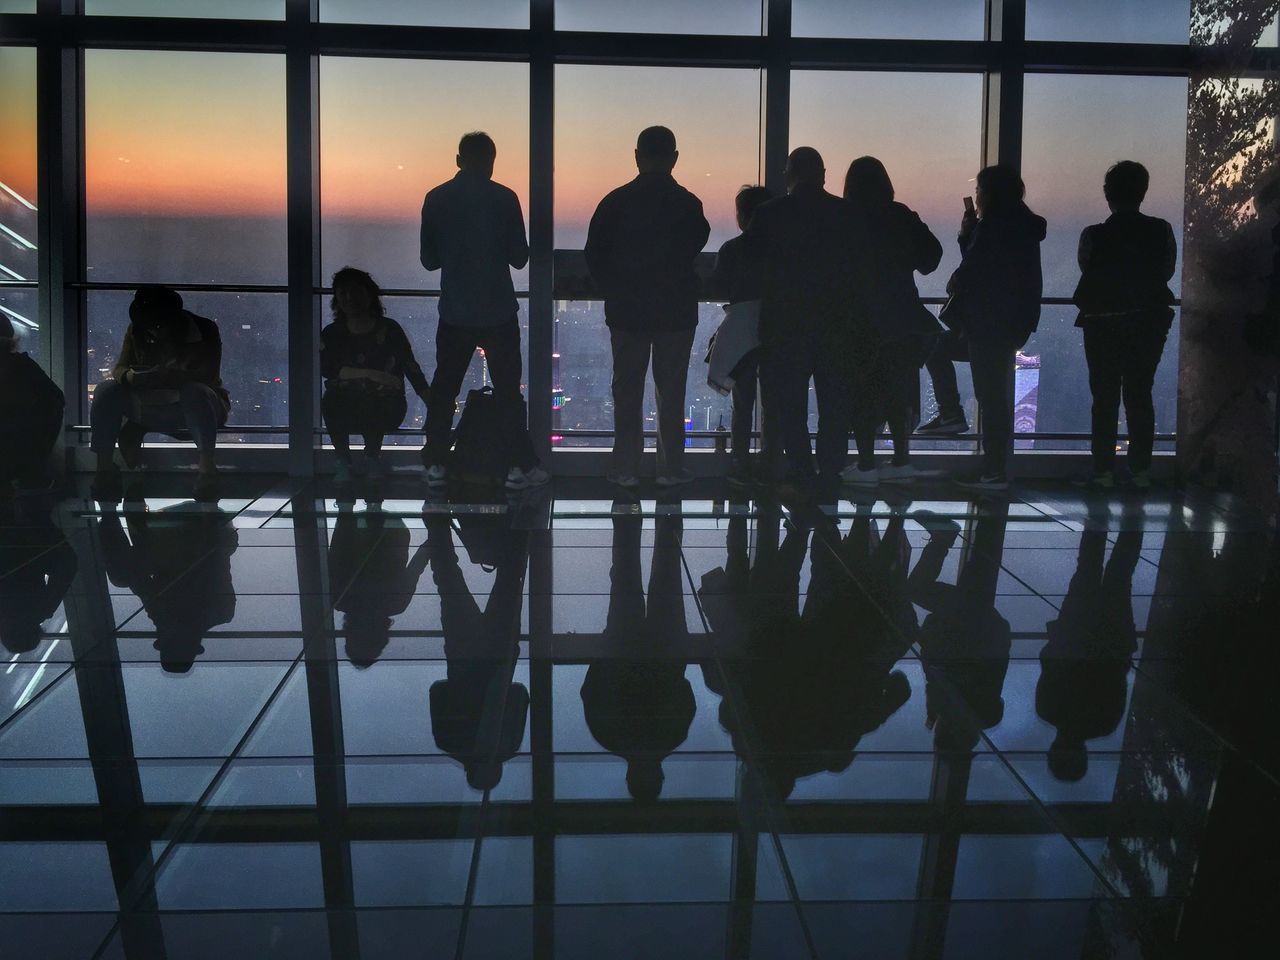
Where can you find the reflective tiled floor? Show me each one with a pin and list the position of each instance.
(575, 726)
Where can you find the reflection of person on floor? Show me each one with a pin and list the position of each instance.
(477, 712)
(374, 579)
(37, 565)
(814, 682)
(1085, 665)
(964, 642)
(637, 701)
(179, 566)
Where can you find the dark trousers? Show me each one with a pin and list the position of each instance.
(197, 411)
(942, 371)
(26, 441)
(371, 414)
(670, 350)
(1122, 359)
(454, 348)
(785, 373)
(991, 364)
(893, 397)
(745, 388)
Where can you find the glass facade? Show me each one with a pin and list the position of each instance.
(186, 160)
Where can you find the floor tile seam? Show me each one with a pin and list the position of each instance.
(288, 492)
(768, 815)
(67, 667)
(188, 820)
(1271, 776)
(335, 599)
(1050, 516)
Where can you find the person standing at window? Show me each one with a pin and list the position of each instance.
(473, 233)
(1126, 309)
(641, 246)
(738, 281)
(994, 308)
(900, 245)
(167, 379)
(810, 324)
(365, 359)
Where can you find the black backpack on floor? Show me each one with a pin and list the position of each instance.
(480, 453)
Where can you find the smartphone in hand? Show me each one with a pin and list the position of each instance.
(968, 205)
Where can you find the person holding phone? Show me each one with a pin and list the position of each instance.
(993, 310)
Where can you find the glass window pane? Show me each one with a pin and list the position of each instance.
(17, 6)
(375, 168)
(185, 166)
(512, 14)
(740, 17)
(255, 350)
(1128, 118)
(599, 112)
(1137, 21)
(903, 19)
(18, 196)
(211, 9)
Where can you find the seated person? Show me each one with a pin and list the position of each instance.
(30, 416)
(166, 380)
(365, 359)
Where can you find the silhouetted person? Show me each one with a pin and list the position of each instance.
(365, 359)
(965, 642)
(641, 246)
(167, 380)
(809, 325)
(1126, 309)
(37, 565)
(635, 697)
(477, 712)
(30, 416)
(473, 233)
(738, 280)
(994, 309)
(900, 246)
(179, 566)
(1085, 665)
(373, 578)
(1262, 329)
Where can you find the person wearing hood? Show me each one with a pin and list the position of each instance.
(994, 308)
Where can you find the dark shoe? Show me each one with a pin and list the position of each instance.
(206, 488)
(986, 483)
(106, 487)
(941, 426)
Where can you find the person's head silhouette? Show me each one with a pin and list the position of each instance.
(999, 190)
(367, 637)
(8, 336)
(805, 169)
(1068, 758)
(867, 184)
(1125, 185)
(355, 295)
(484, 774)
(645, 778)
(154, 309)
(656, 150)
(747, 202)
(178, 647)
(477, 153)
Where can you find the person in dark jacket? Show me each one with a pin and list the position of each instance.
(167, 379)
(365, 359)
(473, 233)
(901, 245)
(641, 246)
(635, 698)
(739, 265)
(993, 310)
(37, 567)
(30, 415)
(1126, 309)
(810, 328)
(1084, 667)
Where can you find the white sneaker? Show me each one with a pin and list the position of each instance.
(902, 473)
(856, 477)
(518, 479)
(675, 479)
(436, 475)
(624, 480)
